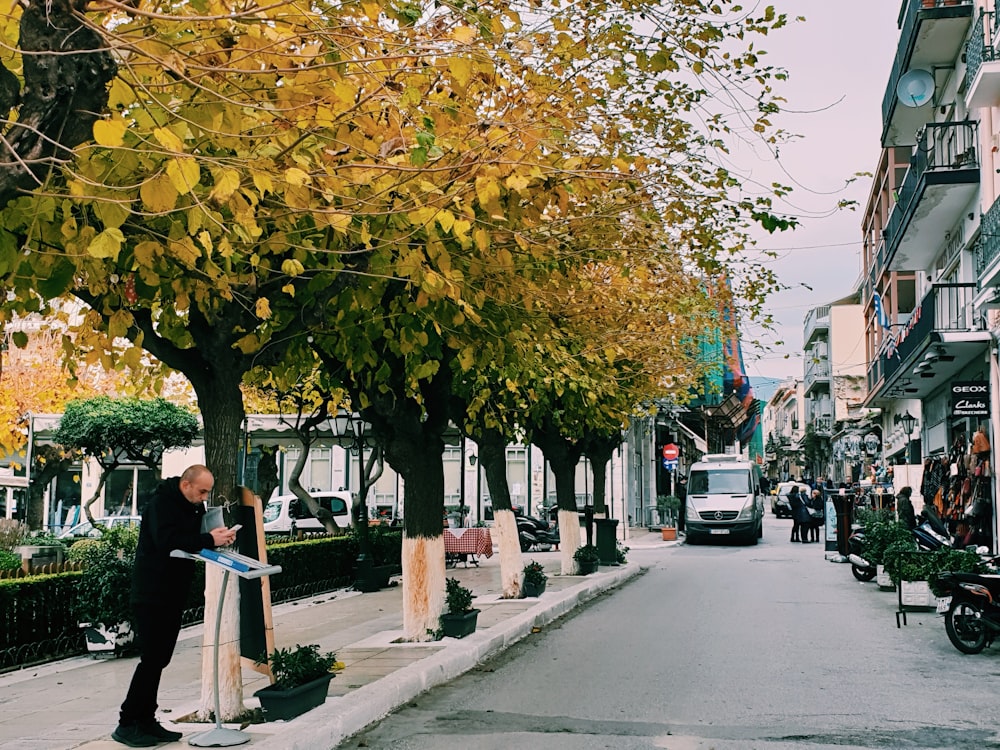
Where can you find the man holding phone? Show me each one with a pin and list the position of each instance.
(160, 586)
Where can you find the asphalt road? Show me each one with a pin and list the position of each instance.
(765, 647)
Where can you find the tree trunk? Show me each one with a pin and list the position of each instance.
(563, 455)
(267, 473)
(599, 450)
(492, 455)
(221, 404)
(47, 463)
(413, 445)
(66, 68)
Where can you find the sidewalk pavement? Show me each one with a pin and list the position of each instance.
(74, 703)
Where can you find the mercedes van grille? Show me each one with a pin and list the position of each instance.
(718, 515)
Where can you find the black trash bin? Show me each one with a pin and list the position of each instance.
(607, 540)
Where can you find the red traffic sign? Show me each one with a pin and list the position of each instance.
(671, 452)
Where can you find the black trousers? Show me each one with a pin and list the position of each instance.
(157, 627)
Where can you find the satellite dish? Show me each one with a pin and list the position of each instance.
(916, 88)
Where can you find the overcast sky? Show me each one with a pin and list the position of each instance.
(839, 60)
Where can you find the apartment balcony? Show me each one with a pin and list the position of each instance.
(982, 63)
(932, 33)
(942, 179)
(823, 425)
(941, 337)
(817, 323)
(817, 376)
(987, 248)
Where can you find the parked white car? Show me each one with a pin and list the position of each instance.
(283, 511)
(86, 528)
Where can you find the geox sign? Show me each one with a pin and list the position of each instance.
(970, 399)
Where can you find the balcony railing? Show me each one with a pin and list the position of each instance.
(988, 245)
(817, 318)
(946, 307)
(913, 14)
(979, 48)
(943, 148)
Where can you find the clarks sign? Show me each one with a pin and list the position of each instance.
(970, 399)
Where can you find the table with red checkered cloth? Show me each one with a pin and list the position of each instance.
(470, 541)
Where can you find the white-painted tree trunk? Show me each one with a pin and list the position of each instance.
(511, 565)
(569, 540)
(230, 673)
(423, 587)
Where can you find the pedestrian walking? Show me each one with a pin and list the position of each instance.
(682, 495)
(800, 515)
(815, 504)
(160, 585)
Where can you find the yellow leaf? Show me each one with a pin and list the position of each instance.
(227, 182)
(206, 240)
(461, 70)
(466, 358)
(107, 244)
(147, 252)
(169, 140)
(482, 238)
(185, 251)
(340, 222)
(158, 194)
(184, 174)
(118, 324)
(297, 177)
(463, 34)
(487, 190)
(248, 344)
(109, 132)
(461, 228)
(111, 214)
(263, 309)
(446, 219)
(263, 182)
(291, 267)
(289, 289)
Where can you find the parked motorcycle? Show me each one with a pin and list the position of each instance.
(534, 533)
(929, 534)
(972, 616)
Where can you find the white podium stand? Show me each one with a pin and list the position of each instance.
(244, 567)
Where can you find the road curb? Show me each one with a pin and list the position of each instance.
(343, 716)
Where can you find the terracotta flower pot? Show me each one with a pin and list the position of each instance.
(669, 533)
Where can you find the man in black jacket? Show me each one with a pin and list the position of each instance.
(160, 585)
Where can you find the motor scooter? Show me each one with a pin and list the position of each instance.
(534, 533)
(929, 534)
(970, 606)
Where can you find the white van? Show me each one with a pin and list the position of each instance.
(284, 511)
(724, 499)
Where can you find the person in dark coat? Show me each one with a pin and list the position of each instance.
(904, 507)
(800, 515)
(682, 495)
(815, 503)
(160, 585)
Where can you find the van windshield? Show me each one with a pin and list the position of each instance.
(719, 482)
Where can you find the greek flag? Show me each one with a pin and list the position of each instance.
(881, 316)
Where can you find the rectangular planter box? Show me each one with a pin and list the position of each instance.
(883, 580)
(916, 594)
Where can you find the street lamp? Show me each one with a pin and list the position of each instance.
(346, 424)
(909, 422)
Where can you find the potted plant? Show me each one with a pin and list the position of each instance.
(587, 559)
(667, 506)
(534, 579)
(301, 680)
(102, 605)
(459, 619)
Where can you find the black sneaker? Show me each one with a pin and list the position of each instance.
(133, 736)
(162, 734)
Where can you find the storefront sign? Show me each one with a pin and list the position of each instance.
(970, 398)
